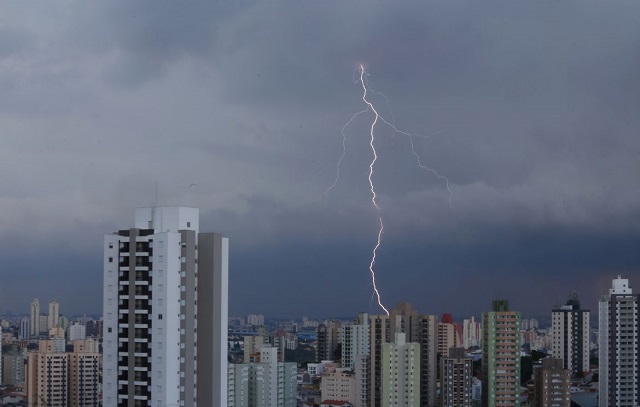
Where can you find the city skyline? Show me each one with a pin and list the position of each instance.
(529, 109)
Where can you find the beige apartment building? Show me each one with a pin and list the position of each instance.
(56, 378)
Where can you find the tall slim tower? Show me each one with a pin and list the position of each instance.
(456, 379)
(35, 318)
(501, 356)
(570, 336)
(54, 314)
(619, 319)
(165, 312)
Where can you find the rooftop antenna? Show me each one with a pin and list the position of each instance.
(156, 193)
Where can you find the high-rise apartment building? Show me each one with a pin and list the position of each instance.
(447, 335)
(54, 314)
(501, 356)
(400, 373)
(56, 378)
(354, 339)
(35, 317)
(570, 336)
(165, 312)
(551, 384)
(456, 379)
(421, 329)
(12, 365)
(44, 324)
(327, 336)
(619, 322)
(339, 385)
(24, 328)
(76, 331)
(471, 333)
(265, 383)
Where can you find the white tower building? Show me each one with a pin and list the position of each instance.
(619, 350)
(354, 339)
(165, 312)
(570, 333)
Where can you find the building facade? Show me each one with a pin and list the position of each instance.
(266, 383)
(63, 379)
(456, 379)
(619, 321)
(339, 385)
(400, 373)
(552, 384)
(570, 336)
(354, 339)
(501, 356)
(421, 329)
(165, 312)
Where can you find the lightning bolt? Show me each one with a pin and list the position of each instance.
(344, 153)
(373, 190)
(367, 88)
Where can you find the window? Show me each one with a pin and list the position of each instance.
(159, 316)
(110, 259)
(188, 224)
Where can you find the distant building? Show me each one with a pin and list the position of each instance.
(456, 379)
(35, 317)
(12, 366)
(24, 328)
(327, 339)
(570, 336)
(619, 319)
(54, 313)
(255, 320)
(354, 339)
(77, 331)
(471, 333)
(552, 384)
(267, 383)
(43, 324)
(339, 385)
(447, 335)
(501, 356)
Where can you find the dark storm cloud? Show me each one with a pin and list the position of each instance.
(528, 108)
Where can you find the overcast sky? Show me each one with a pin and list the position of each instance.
(529, 108)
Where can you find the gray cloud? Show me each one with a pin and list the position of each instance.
(528, 108)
